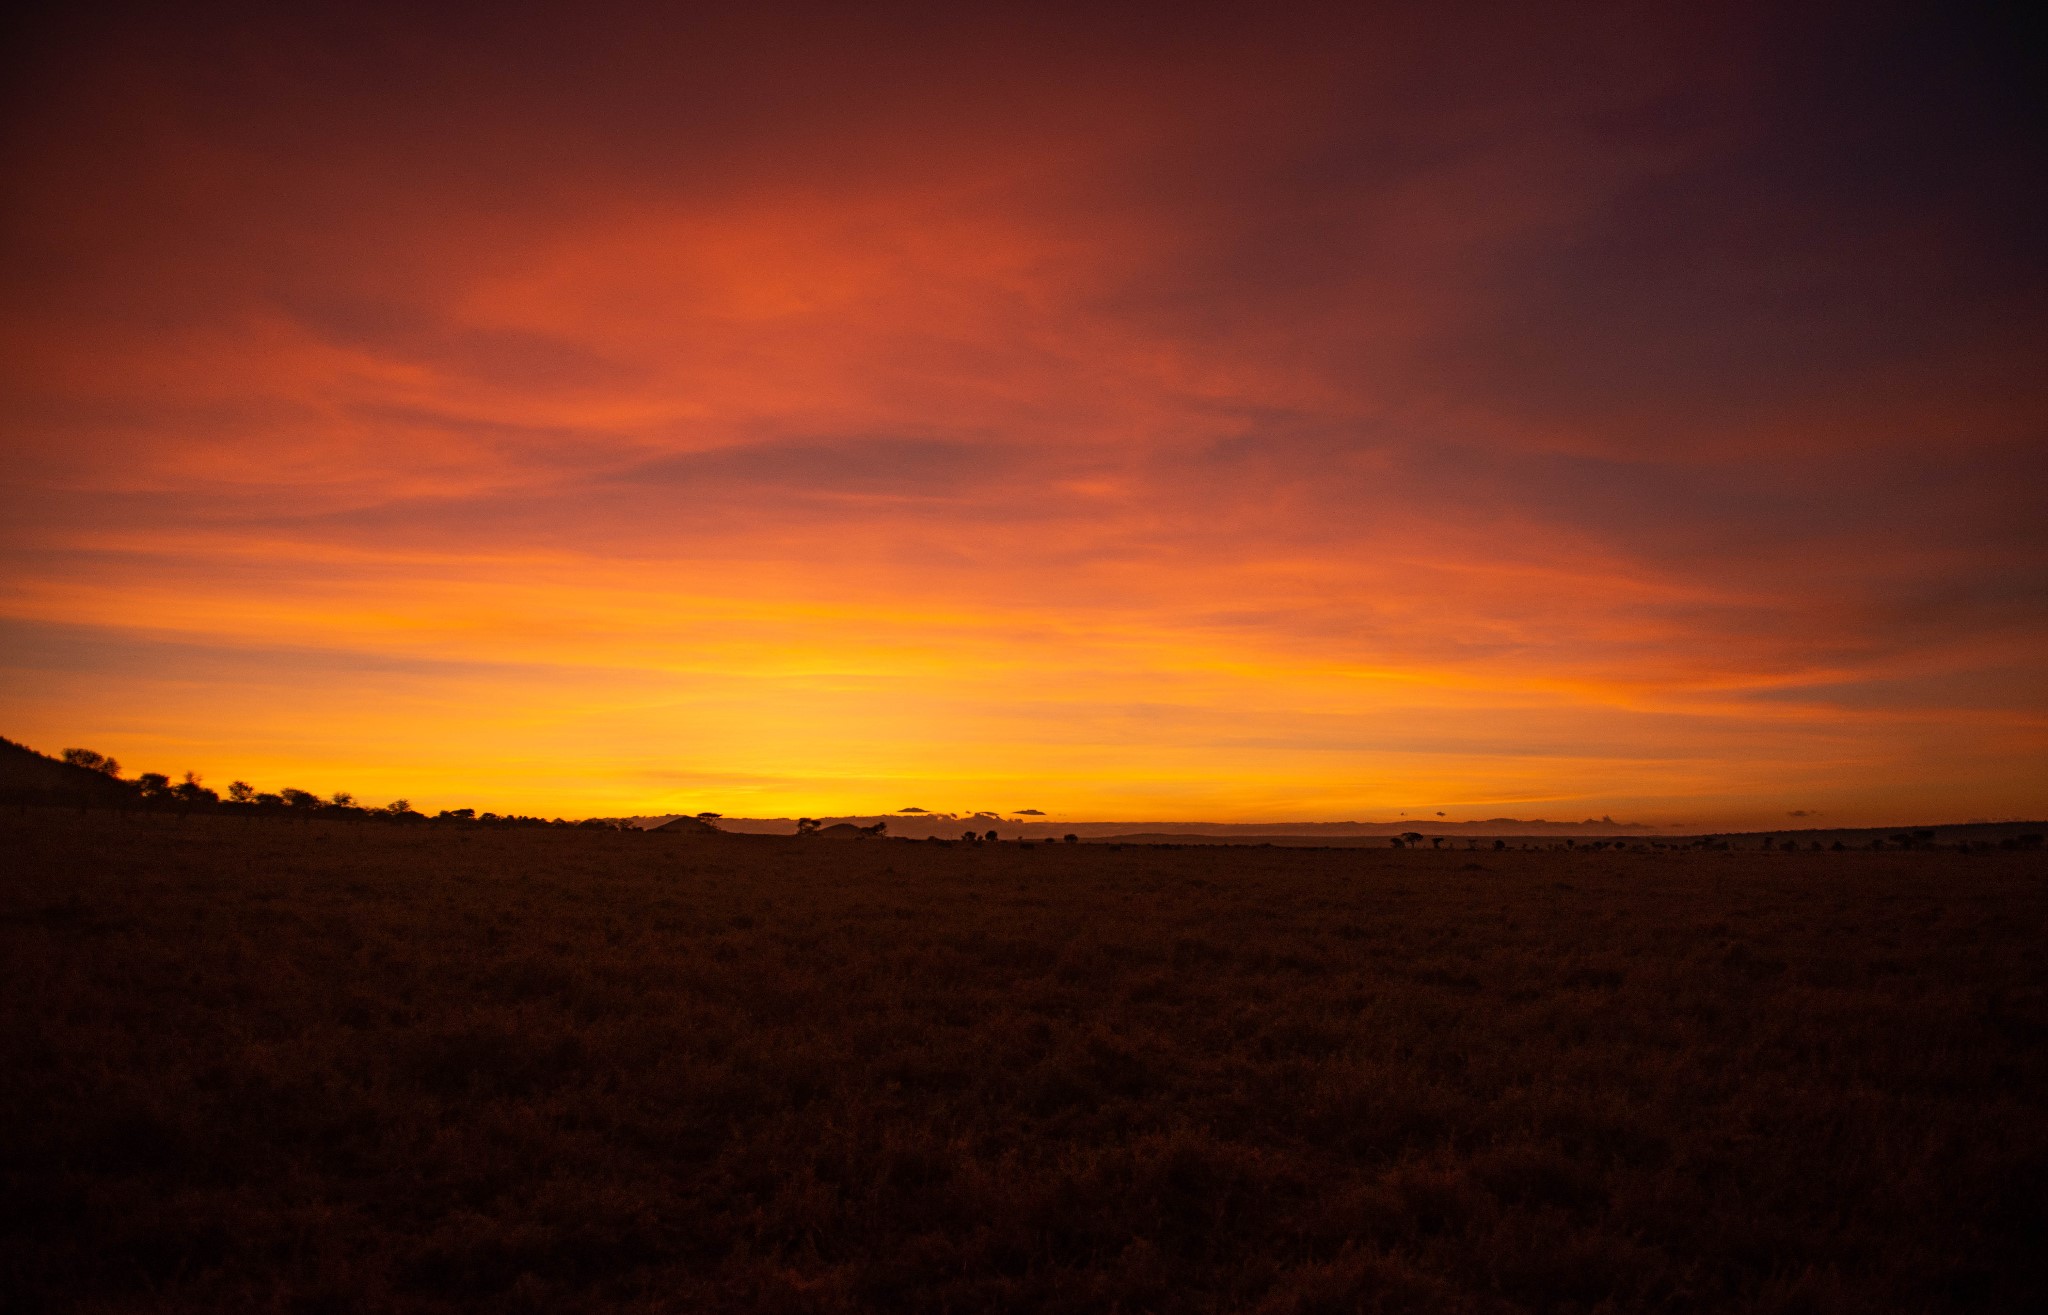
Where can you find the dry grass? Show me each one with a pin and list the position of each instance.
(268, 1066)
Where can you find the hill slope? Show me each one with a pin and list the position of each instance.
(30, 777)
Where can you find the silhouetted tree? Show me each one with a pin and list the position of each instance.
(342, 799)
(191, 791)
(96, 762)
(806, 826)
(398, 807)
(153, 785)
(241, 792)
(991, 834)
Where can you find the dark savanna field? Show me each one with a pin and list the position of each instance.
(262, 1065)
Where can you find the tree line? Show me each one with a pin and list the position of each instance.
(191, 793)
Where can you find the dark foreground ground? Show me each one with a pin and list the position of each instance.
(276, 1066)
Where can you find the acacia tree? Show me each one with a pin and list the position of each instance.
(241, 792)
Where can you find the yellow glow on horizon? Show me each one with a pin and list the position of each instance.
(535, 683)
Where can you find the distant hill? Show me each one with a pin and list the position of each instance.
(918, 826)
(28, 777)
(684, 826)
(1354, 835)
(844, 831)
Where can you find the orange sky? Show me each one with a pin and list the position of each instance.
(1173, 413)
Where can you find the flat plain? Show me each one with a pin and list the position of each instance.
(274, 1066)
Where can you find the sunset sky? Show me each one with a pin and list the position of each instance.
(1236, 412)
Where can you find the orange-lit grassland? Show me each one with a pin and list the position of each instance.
(454, 1067)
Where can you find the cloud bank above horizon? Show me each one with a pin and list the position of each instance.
(1160, 413)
